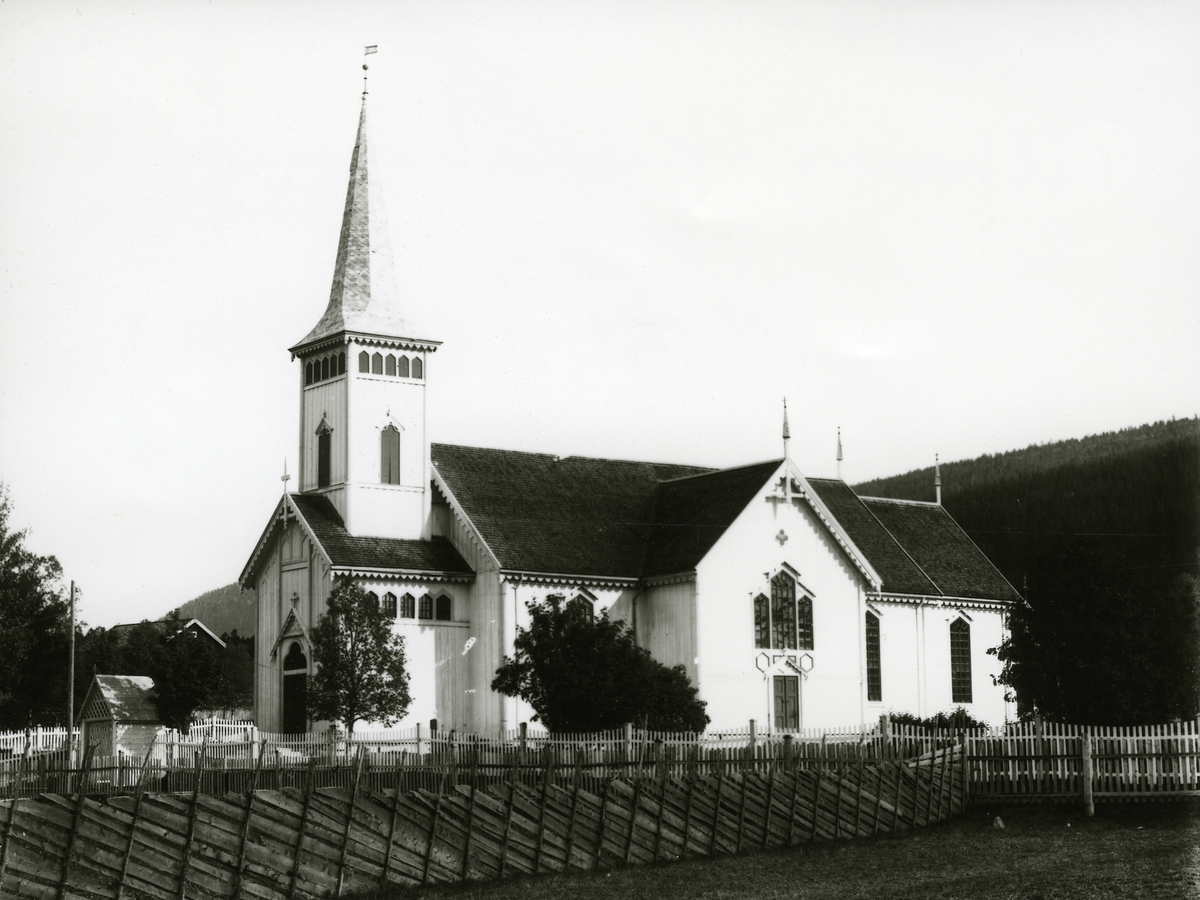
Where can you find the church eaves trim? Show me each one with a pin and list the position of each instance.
(344, 338)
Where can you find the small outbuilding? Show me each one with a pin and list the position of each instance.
(119, 716)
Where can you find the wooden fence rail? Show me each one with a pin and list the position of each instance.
(316, 842)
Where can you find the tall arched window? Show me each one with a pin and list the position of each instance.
(324, 451)
(418, 368)
(389, 365)
(874, 667)
(376, 363)
(425, 607)
(960, 662)
(308, 373)
(295, 690)
(444, 608)
(364, 362)
(583, 606)
(783, 612)
(403, 367)
(324, 368)
(762, 622)
(374, 597)
(804, 622)
(408, 607)
(389, 605)
(389, 456)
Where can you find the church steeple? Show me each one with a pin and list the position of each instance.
(364, 298)
(363, 443)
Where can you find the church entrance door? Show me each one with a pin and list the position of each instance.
(295, 691)
(787, 702)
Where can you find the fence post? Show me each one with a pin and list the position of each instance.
(547, 776)
(362, 757)
(308, 792)
(885, 734)
(82, 797)
(241, 865)
(191, 820)
(1089, 807)
(12, 815)
(137, 811)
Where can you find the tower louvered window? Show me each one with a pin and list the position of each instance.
(376, 363)
(960, 662)
(874, 667)
(389, 453)
(418, 368)
(389, 365)
(402, 367)
(364, 362)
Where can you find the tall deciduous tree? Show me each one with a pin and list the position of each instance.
(1104, 642)
(34, 631)
(583, 674)
(360, 670)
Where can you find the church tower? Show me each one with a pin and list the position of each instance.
(363, 442)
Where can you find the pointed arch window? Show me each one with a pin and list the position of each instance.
(582, 605)
(389, 605)
(408, 607)
(324, 368)
(874, 667)
(389, 365)
(324, 451)
(960, 661)
(389, 456)
(308, 373)
(418, 368)
(341, 368)
(445, 608)
(783, 612)
(364, 361)
(376, 363)
(762, 622)
(402, 367)
(425, 607)
(804, 623)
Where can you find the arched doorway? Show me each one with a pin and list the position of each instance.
(295, 690)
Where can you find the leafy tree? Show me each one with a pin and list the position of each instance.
(187, 670)
(35, 627)
(1104, 642)
(360, 673)
(583, 674)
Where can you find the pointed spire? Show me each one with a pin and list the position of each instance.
(786, 433)
(839, 456)
(937, 479)
(364, 297)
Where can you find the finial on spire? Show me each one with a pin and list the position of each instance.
(373, 48)
(786, 433)
(285, 478)
(937, 478)
(839, 456)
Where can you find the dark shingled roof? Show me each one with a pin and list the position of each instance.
(940, 547)
(569, 515)
(126, 697)
(347, 550)
(897, 569)
(692, 513)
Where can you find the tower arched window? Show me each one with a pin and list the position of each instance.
(425, 607)
(376, 363)
(364, 361)
(389, 456)
(341, 364)
(308, 373)
(389, 365)
(324, 368)
(960, 661)
(402, 366)
(408, 607)
(418, 368)
(324, 452)
(445, 608)
(874, 667)
(389, 605)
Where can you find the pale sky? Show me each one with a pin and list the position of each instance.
(951, 227)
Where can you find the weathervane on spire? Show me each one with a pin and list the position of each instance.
(285, 477)
(839, 456)
(373, 48)
(937, 479)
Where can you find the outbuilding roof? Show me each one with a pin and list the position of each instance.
(125, 698)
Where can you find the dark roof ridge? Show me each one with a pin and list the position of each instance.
(557, 458)
(718, 471)
(898, 500)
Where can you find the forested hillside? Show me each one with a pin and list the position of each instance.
(225, 610)
(1102, 536)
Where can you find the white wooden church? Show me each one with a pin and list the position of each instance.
(789, 600)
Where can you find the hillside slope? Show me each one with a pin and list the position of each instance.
(1131, 495)
(224, 610)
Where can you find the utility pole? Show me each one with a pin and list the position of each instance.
(71, 677)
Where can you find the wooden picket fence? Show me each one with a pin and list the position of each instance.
(315, 842)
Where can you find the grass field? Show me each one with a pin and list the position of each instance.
(1043, 853)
